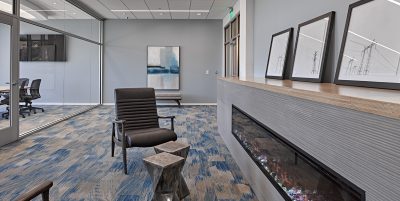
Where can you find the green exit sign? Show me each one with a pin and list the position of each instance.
(231, 13)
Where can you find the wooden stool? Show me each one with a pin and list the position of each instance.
(178, 149)
(165, 170)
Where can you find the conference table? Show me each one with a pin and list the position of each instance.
(4, 89)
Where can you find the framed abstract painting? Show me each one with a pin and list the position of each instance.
(163, 67)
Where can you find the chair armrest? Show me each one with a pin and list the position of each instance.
(43, 188)
(117, 121)
(115, 124)
(172, 120)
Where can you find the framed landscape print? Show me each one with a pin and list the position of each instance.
(312, 46)
(278, 54)
(370, 51)
(163, 67)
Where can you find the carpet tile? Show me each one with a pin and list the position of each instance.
(76, 155)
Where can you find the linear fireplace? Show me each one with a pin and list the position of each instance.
(294, 173)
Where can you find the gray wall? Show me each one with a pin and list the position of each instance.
(272, 16)
(362, 147)
(125, 54)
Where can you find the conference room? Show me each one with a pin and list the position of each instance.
(59, 64)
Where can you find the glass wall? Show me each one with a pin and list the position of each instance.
(60, 57)
(5, 67)
(62, 15)
(6, 6)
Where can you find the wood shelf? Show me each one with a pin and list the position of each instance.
(375, 101)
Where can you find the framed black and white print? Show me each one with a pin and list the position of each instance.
(278, 54)
(370, 51)
(312, 46)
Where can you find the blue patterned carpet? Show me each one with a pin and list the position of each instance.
(75, 154)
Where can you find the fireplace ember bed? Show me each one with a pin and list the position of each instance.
(295, 174)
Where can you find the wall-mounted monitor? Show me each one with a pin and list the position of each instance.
(42, 47)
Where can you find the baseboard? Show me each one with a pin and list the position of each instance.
(174, 104)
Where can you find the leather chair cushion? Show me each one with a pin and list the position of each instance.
(149, 137)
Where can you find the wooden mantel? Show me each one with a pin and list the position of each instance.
(375, 101)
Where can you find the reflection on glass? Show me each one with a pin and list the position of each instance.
(6, 6)
(69, 81)
(294, 174)
(5, 67)
(62, 15)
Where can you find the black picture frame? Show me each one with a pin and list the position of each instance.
(285, 62)
(370, 84)
(331, 16)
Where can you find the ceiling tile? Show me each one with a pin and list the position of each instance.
(180, 15)
(196, 16)
(138, 5)
(117, 5)
(201, 4)
(159, 5)
(179, 5)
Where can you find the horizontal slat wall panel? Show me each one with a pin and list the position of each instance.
(362, 147)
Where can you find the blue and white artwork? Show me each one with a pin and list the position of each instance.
(163, 68)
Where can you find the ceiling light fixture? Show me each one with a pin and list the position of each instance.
(395, 2)
(198, 14)
(164, 11)
(45, 10)
(161, 13)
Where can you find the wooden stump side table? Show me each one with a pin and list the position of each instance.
(165, 170)
(178, 149)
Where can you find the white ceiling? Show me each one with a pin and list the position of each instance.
(144, 9)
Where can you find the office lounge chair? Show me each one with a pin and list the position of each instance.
(42, 189)
(34, 95)
(136, 123)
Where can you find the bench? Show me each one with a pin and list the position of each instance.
(175, 96)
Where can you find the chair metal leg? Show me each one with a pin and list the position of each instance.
(112, 147)
(45, 196)
(124, 159)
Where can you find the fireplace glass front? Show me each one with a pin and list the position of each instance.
(294, 173)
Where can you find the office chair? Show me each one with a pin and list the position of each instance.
(22, 94)
(21, 81)
(136, 123)
(34, 95)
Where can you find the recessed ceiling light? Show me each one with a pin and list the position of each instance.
(73, 13)
(198, 14)
(123, 13)
(54, 3)
(161, 13)
(164, 11)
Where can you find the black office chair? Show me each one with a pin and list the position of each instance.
(34, 95)
(21, 81)
(22, 94)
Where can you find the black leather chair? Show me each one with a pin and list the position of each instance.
(34, 95)
(136, 123)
